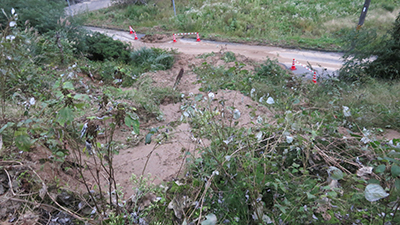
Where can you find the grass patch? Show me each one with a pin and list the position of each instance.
(372, 104)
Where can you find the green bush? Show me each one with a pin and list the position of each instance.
(389, 7)
(41, 14)
(387, 64)
(229, 57)
(21, 79)
(152, 59)
(271, 71)
(370, 55)
(102, 47)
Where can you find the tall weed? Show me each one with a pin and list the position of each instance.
(152, 59)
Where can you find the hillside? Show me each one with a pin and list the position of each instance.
(98, 131)
(291, 23)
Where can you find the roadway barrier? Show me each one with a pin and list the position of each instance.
(132, 31)
(181, 34)
(305, 67)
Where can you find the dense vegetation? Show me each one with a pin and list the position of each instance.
(43, 15)
(311, 24)
(369, 55)
(318, 159)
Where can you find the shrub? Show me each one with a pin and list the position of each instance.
(19, 78)
(271, 71)
(102, 47)
(387, 64)
(152, 59)
(366, 46)
(41, 14)
(229, 57)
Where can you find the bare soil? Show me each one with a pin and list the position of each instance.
(155, 38)
(165, 161)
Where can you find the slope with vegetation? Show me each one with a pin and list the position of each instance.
(308, 24)
(271, 148)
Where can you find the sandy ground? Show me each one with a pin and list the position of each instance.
(166, 161)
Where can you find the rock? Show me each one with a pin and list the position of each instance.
(65, 199)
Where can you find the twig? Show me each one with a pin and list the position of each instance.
(197, 195)
(330, 160)
(148, 158)
(58, 43)
(10, 183)
(208, 184)
(48, 221)
(11, 162)
(246, 146)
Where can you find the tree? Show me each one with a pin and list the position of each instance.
(387, 64)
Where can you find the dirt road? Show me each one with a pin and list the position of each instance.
(320, 61)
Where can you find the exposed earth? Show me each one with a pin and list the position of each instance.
(165, 161)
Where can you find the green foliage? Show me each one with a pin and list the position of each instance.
(10, 53)
(271, 172)
(152, 59)
(215, 78)
(149, 98)
(387, 64)
(271, 70)
(129, 2)
(370, 55)
(43, 15)
(19, 78)
(229, 57)
(289, 22)
(140, 13)
(388, 6)
(102, 47)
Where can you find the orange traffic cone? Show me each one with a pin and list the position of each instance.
(293, 66)
(198, 38)
(130, 30)
(135, 35)
(314, 79)
(174, 37)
